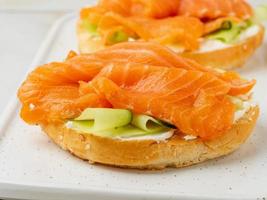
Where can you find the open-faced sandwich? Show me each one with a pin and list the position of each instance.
(215, 33)
(139, 105)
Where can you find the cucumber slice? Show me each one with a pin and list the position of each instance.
(226, 25)
(132, 131)
(147, 123)
(96, 119)
(227, 35)
(118, 36)
(230, 31)
(127, 131)
(107, 122)
(92, 28)
(124, 132)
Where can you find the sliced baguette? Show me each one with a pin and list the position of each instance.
(150, 154)
(226, 58)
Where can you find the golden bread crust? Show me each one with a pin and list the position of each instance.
(230, 57)
(149, 154)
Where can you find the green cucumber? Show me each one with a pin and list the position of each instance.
(133, 131)
(147, 123)
(92, 28)
(107, 122)
(230, 31)
(127, 131)
(227, 35)
(124, 132)
(118, 36)
(226, 25)
(98, 119)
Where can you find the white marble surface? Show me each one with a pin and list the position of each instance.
(59, 4)
(20, 37)
(43, 5)
(23, 26)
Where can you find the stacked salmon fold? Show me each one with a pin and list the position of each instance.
(145, 78)
(168, 22)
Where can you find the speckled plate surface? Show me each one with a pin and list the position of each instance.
(32, 167)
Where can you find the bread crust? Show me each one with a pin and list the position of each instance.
(230, 57)
(226, 58)
(150, 154)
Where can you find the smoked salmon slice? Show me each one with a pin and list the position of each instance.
(146, 53)
(183, 30)
(118, 6)
(155, 9)
(143, 77)
(144, 8)
(190, 119)
(202, 9)
(154, 54)
(213, 9)
(181, 22)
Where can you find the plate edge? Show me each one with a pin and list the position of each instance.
(39, 56)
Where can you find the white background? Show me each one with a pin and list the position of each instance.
(23, 26)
